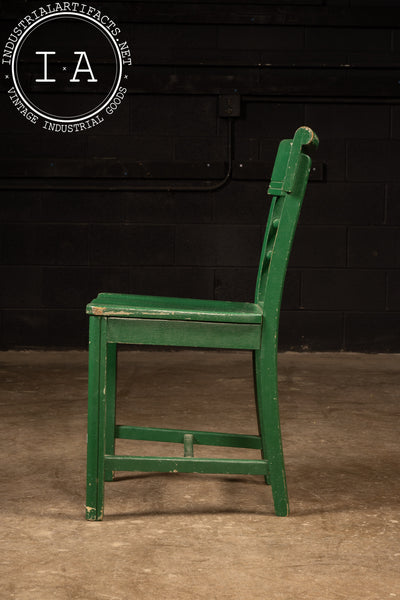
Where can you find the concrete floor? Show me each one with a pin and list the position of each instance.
(167, 536)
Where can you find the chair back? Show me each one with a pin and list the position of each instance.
(287, 187)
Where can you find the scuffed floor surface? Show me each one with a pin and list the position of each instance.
(180, 537)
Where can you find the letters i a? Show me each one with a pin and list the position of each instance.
(82, 56)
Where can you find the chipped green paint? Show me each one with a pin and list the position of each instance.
(124, 318)
(186, 309)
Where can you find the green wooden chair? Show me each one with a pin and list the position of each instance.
(131, 319)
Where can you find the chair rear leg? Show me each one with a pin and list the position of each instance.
(265, 372)
(257, 385)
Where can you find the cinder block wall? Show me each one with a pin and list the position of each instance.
(331, 65)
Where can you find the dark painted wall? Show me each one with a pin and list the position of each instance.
(334, 66)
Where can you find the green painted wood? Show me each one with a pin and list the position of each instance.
(122, 318)
(188, 445)
(93, 420)
(269, 423)
(103, 393)
(184, 333)
(158, 307)
(288, 184)
(176, 436)
(97, 394)
(166, 464)
(111, 384)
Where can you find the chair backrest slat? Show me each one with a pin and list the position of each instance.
(287, 187)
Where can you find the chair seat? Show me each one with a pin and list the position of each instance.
(187, 309)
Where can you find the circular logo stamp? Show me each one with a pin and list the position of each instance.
(67, 66)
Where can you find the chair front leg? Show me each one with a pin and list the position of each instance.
(96, 418)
